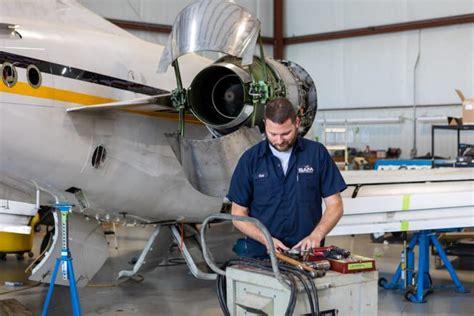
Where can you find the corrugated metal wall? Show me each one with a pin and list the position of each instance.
(376, 76)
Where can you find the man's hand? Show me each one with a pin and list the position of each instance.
(278, 245)
(331, 216)
(312, 241)
(251, 230)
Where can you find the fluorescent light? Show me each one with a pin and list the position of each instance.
(432, 119)
(375, 120)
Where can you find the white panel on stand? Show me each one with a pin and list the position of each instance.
(390, 201)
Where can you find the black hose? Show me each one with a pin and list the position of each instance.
(309, 289)
(300, 277)
(222, 294)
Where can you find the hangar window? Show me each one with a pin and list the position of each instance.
(9, 74)
(98, 157)
(34, 76)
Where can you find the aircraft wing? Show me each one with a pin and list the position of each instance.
(153, 103)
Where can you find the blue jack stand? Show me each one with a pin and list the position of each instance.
(65, 261)
(418, 285)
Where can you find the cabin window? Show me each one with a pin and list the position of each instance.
(34, 76)
(9, 74)
(98, 157)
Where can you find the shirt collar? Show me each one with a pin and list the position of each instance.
(264, 147)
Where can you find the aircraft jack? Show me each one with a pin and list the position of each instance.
(66, 263)
(418, 285)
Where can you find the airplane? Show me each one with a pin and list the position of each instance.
(86, 118)
(134, 133)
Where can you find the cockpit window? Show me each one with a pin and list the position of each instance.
(34, 76)
(9, 74)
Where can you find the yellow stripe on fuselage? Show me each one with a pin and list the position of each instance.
(23, 88)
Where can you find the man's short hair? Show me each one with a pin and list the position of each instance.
(280, 110)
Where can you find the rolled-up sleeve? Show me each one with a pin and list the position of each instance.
(331, 180)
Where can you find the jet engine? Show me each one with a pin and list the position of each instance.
(230, 95)
(226, 95)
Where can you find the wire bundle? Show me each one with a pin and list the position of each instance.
(290, 273)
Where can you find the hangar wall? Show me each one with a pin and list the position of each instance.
(409, 74)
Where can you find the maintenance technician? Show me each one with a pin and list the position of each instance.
(281, 181)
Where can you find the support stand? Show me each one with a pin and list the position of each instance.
(65, 261)
(418, 285)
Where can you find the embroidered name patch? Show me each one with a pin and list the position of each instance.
(261, 175)
(306, 169)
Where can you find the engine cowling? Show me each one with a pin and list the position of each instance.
(230, 95)
(226, 95)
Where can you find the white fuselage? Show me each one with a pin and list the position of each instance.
(41, 142)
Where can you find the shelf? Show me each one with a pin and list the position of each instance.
(454, 127)
(458, 129)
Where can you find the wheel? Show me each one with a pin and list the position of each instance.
(19, 256)
(410, 296)
(31, 254)
(3, 256)
(382, 282)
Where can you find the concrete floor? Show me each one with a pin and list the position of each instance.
(172, 290)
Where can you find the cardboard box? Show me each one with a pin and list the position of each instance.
(454, 121)
(467, 109)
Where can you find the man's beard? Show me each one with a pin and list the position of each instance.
(286, 145)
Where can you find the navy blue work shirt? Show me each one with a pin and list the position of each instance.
(290, 205)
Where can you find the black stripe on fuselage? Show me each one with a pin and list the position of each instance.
(78, 74)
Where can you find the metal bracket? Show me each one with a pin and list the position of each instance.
(141, 259)
(178, 97)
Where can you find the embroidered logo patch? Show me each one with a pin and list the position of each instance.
(306, 169)
(261, 175)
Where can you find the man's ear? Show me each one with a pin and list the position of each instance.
(298, 122)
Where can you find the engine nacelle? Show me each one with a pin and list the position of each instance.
(230, 95)
(227, 95)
